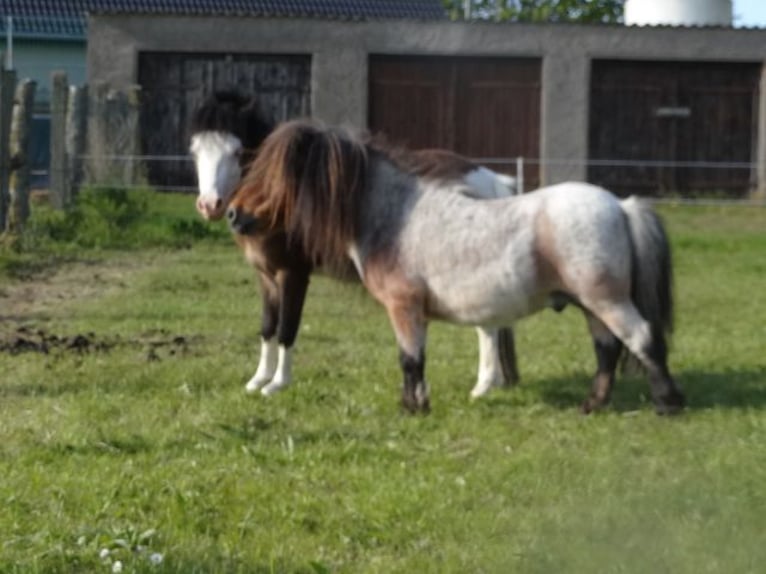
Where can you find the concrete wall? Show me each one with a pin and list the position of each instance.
(340, 51)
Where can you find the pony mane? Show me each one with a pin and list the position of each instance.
(435, 164)
(231, 112)
(308, 180)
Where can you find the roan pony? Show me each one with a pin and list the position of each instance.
(427, 251)
(226, 132)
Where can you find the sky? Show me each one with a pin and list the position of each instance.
(749, 13)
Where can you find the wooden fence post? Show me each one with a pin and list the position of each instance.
(21, 126)
(76, 126)
(113, 136)
(97, 165)
(58, 167)
(7, 89)
(132, 132)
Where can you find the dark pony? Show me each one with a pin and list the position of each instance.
(425, 254)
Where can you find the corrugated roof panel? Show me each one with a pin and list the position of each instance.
(66, 18)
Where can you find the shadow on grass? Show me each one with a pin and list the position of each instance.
(733, 388)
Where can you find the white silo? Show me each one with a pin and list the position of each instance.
(678, 13)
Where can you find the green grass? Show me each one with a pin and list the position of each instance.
(151, 441)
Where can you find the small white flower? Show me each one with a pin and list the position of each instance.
(104, 554)
(81, 541)
(156, 558)
(117, 567)
(460, 481)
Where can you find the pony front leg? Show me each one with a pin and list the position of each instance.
(410, 329)
(415, 396)
(293, 284)
(267, 364)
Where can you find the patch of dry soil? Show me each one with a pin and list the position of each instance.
(26, 305)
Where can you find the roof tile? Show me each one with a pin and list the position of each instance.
(66, 18)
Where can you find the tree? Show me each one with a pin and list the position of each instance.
(592, 11)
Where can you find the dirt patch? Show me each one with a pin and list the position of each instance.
(45, 290)
(27, 304)
(154, 346)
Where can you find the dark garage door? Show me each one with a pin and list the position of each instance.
(479, 107)
(174, 85)
(674, 114)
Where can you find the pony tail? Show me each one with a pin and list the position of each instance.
(652, 278)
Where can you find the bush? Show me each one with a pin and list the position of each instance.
(107, 218)
(99, 218)
(116, 218)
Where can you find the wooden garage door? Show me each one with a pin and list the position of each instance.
(479, 107)
(175, 84)
(678, 119)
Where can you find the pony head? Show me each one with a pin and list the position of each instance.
(226, 130)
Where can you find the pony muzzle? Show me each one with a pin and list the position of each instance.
(240, 222)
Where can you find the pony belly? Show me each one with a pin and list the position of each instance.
(483, 303)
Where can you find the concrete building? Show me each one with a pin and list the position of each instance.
(38, 37)
(343, 53)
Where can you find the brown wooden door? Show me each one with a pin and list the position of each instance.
(486, 108)
(175, 84)
(658, 128)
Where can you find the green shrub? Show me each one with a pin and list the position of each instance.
(104, 218)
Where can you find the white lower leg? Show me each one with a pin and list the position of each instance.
(284, 372)
(267, 365)
(490, 371)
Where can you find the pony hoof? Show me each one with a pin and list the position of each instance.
(414, 408)
(592, 404)
(671, 404)
(254, 385)
(417, 401)
(272, 388)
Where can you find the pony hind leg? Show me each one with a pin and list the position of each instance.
(608, 349)
(506, 345)
(648, 344)
(491, 372)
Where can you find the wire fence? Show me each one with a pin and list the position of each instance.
(515, 167)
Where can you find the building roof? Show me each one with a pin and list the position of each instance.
(65, 19)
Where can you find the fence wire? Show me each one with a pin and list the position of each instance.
(516, 167)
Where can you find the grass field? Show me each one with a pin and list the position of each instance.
(131, 439)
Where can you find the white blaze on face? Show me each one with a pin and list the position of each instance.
(216, 157)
